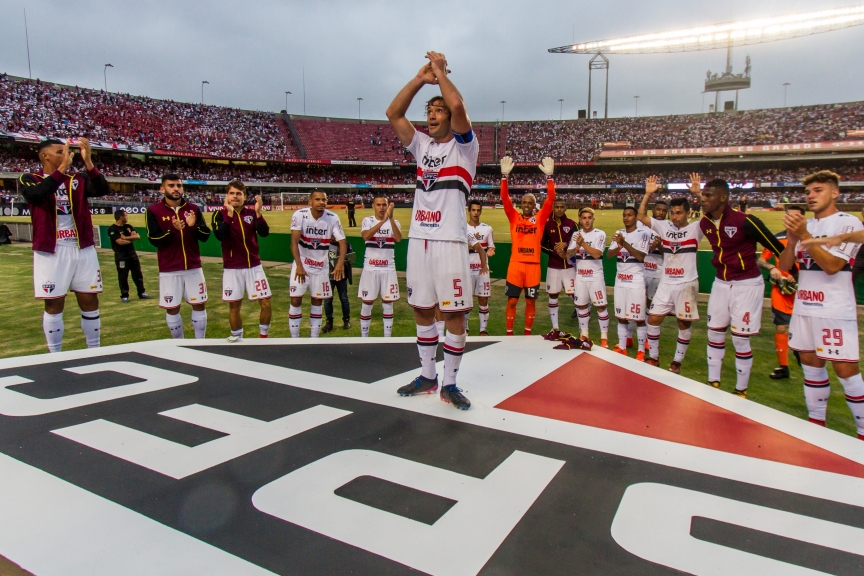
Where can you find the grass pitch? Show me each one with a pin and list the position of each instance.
(142, 320)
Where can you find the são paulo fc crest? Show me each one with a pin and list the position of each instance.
(48, 287)
(169, 298)
(247, 219)
(429, 179)
(730, 230)
(380, 242)
(674, 247)
(228, 292)
(807, 262)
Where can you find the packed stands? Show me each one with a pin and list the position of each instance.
(52, 110)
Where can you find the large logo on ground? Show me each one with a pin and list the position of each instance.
(302, 459)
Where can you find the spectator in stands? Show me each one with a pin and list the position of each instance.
(123, 236)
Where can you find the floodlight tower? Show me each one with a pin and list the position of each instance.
(718, 36)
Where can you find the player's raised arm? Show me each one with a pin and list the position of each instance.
(650, 188)
(696, 187)
(834, 241)
(506, 167)
(399, 107)
(547, 166)
(459, 121)
(95, 183)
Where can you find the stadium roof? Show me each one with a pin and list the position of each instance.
(725, 35)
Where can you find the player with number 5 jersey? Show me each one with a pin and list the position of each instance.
(824, 323)
(237, 227)
(437, 274)
(381, 232)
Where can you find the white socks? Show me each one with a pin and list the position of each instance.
(603, 318)
(175, 325)
(653, 333)
(387, 313)
(743, 360)
(263, 330)
(91, 326)
(199, 323)
(630, 330)
(683, 344)
(622, 335)
(553, 310)
(52, 325)
(484, 318)
(315, 320)
(237, 334)
(365, 318)
(584, 318)
(427, 346)
(454, 347)
(295, 314)
(817, 389)
(854, 388)
(716, 352)
(641, 335)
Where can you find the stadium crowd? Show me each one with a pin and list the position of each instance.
(48, 109)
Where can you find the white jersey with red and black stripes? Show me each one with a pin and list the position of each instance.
(679, 250)
(482, 234)
(445, 174)
(820, 294)
(315, 238)
(379, 254)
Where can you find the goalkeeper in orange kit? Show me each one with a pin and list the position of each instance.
(526, 232)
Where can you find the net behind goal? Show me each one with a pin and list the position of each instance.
(293, 199)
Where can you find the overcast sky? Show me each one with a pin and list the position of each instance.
(251, 52)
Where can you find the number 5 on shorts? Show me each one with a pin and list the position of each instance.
(457, 288)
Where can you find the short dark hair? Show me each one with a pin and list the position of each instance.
(317, 191)
(475, 202)
(719, 184)
(237, 185)
(119, 212)
(437, 101)
(796, 207)
(680, 202)
(48, 142)
(661, 202)
(381, 195)
(633, 208)
(822, 177)
(170, 176)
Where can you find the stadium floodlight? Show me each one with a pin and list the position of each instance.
(725, 35)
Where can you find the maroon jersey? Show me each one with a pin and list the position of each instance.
(176, 250)
(553, 233)
(238, 232)
(733, 239)
(41, 193)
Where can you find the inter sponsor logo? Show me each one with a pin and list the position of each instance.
(676, 235)
(313, 231)
(526, 229)
(430, 162)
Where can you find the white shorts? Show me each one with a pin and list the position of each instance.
(630, 302)
(318, 285)
(651, 283)
(375, 282)
(560, 279)
(252, 280)
(438, 275)
(829, 338)
(174, 285)
(737, 306)
(69, 268)
(678, 299)
(593, 291)
(481, 286)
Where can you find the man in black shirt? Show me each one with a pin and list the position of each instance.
(122, 235)
(352, 204)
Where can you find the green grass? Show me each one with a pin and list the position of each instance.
(143, 320)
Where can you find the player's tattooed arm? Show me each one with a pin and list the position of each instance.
(651, 187)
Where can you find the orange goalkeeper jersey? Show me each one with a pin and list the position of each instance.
(527, 232)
